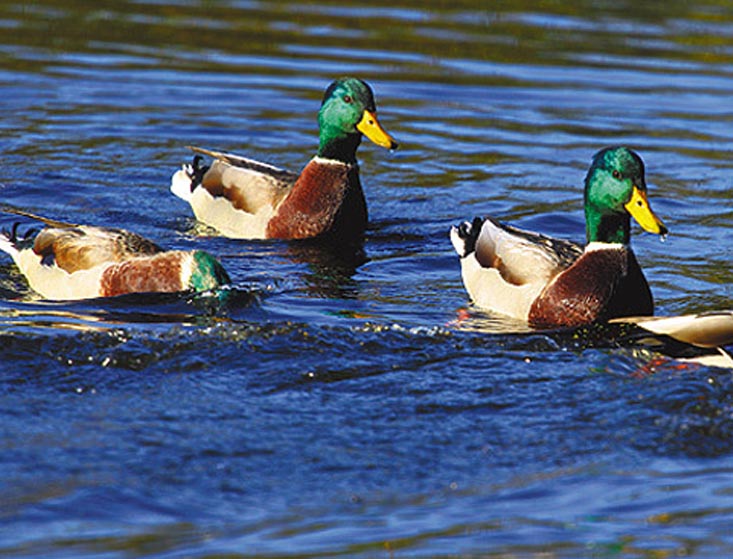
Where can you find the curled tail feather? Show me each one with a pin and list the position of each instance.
(185, 181)
(12, 241)
(465, 235)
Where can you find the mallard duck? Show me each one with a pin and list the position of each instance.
(693, 338)
(556, 283)
(247, 199)
(710, 329)
(63, 261)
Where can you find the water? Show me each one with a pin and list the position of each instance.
(349, 406)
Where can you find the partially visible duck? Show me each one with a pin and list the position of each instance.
(556, 283)
(247, 199)
(64, 262)
(711, 329)
(694, 338)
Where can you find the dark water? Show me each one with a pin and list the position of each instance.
(334, 407)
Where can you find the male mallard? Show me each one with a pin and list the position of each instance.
(246, 199)
(65, 261)
(556, 283)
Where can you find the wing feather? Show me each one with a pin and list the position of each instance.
(248, 184)
(84, 247)
(523, 257)
(710, 329)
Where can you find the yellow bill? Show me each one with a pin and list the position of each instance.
(370, 127)
(639, 209)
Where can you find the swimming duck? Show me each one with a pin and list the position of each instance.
(556, 283)
(693, 338)
(711, 329)
(247, 199)
(64, 262)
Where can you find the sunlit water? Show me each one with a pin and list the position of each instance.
(333, 405)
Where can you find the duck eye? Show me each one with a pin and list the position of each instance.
(347, 98)
(616, 174)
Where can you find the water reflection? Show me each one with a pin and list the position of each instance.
(330, 267)
(137, 308)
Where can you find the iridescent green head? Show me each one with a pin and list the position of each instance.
(615, 190)
(207, 273)
(348, 111)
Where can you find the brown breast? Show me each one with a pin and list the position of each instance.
(159, 273)
(326, 199)
(601, 284)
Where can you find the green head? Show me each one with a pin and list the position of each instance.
(347, 112)
(615, 190)
(207, 272)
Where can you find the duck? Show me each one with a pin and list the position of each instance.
(243, 198)
(64, 261)
(697, 338)
(556, 283)
(708, 329)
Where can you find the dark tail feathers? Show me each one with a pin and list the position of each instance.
(468, 232)
(17, 238)
(196, 170)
